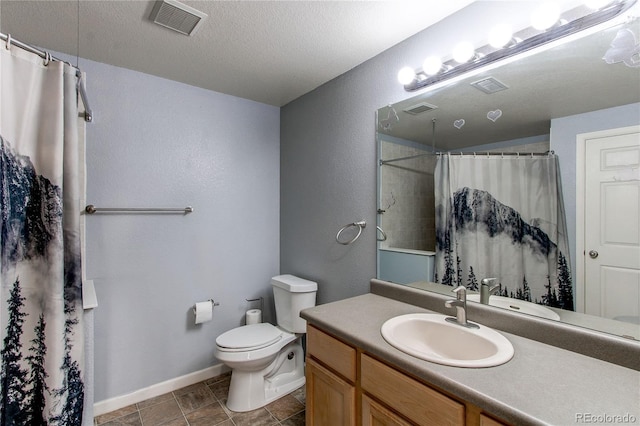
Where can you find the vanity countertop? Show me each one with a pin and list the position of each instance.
(542, 384)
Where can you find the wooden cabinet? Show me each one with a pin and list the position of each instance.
(335, 354)
(374, 414)
(419, 403)
(331, 377)
(488, 421)
(348, 387)
(330, 400)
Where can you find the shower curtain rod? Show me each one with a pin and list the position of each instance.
(475, 154)
(88, 114)
(393, 160)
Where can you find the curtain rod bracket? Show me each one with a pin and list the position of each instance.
(10, 41)
(88, 113)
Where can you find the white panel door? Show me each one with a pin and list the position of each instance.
(612, 227)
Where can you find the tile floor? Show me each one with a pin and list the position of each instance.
(203, 404)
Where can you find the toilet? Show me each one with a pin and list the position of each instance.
(267, 361)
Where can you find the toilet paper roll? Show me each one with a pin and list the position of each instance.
(253, 316)
(203, 311)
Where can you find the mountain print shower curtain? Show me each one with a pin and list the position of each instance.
(41, 185)
(503, 217)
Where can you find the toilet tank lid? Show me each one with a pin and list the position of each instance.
(294, 284)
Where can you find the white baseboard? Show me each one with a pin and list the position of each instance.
(158, 389)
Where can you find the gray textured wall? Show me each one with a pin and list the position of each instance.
(158, 143)
(328, 154)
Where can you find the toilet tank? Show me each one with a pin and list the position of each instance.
(292, 294)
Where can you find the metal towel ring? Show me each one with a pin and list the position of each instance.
(384, 235)
(361, 225)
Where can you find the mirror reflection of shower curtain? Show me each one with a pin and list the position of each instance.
(503, 217)
(41, 191)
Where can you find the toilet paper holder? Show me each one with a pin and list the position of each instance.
(213, 304)
(203, 311)
(261, 299)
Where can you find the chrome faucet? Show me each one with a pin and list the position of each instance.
(460, 303)
(486, 289)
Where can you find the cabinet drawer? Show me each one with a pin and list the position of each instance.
(417, 402)
(332, 352)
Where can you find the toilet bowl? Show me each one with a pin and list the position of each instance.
(267, 361)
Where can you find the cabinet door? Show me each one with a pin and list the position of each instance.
(331, 401)
(374, 414)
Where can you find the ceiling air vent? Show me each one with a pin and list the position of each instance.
(177, 16)
(489, 85)
(419, 108)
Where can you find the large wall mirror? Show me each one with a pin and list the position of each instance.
(558, 99)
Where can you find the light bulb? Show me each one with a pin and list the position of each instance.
(545, 16)
(500, 36)
(462, 52)
(406, 75)
(596, 4)
(432, 65)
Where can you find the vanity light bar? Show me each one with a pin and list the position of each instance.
(422, 80)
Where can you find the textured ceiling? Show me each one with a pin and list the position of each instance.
(268, 51)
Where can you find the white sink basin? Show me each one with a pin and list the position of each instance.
(430, 337)
(517, 305)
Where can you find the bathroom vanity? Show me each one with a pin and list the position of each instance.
(355, 377)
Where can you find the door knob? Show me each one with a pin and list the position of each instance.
(593, 254)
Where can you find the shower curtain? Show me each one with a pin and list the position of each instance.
(42, 187)
(503, 217)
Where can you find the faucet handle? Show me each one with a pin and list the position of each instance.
(487, 282)
(461, 307)
(461, 292)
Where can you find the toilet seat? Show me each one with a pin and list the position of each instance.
(249, 338)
